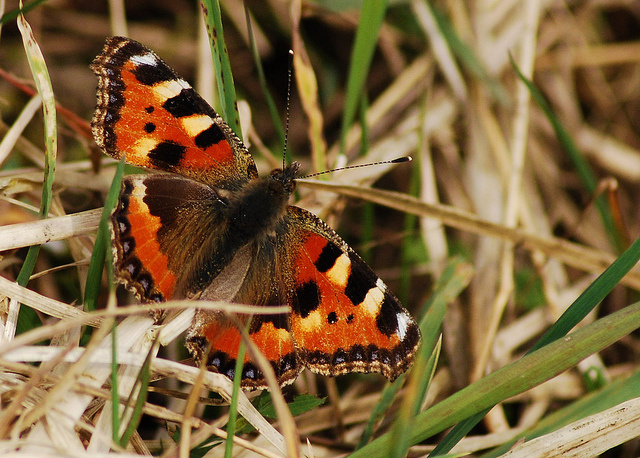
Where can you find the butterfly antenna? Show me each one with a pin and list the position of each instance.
(286, 125)
(397, 160)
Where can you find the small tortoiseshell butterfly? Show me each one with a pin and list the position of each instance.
(213, 229)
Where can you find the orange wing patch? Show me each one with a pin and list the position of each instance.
(216, 336)
(141, 263)
(151, 133)
(344, 317)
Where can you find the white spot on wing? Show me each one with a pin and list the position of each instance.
(403, 323)
(138, 187)
(312, 322)
(145, 59)
(380, 284)
(144, 145)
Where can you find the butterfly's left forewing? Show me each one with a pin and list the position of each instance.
(344, 319)
(157, 120)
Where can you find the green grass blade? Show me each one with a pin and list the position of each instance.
(508, 381)
(582, 306)
(371, 17)
(144, 377)
(367, 222)
(414, 392)
(458, 433)
(388, 395)
(27, 318)
(222, 66)
(13, 14)
(102, 245)
(586, 174)
(101, 251)
(455, 277)
(413, 246)
(115, 395)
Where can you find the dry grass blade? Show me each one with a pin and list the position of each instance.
(49, 230)
(308, 89)
(605, 430)
(11, 137)
(578, 256)
(100, 362)
(38, 302)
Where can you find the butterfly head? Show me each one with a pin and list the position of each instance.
(286, 177)
(262, 203)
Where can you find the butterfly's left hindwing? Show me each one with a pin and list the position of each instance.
(215, 337)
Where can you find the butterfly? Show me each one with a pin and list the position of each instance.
(209, 228)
